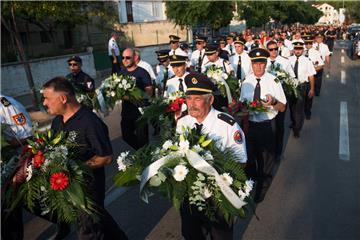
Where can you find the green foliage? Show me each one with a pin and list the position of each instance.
(190, 13)
(257, 13)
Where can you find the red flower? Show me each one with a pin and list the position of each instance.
(175, 105)
(40, 140)
(59, 181)
(253, 103)
(26, 149)
(38, 159)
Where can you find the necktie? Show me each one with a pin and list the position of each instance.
(317, 46)
(238, 71)
(199, 63)
(280, 51)
(181, 86)
(257, 90)
(272, 64)
(306, 53)
(166, 76)
(231, 49)
(296, 67)
(198, 128)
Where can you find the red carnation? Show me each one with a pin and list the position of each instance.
(253, 104)
(175, 105)
(59, 181)
(38, 159)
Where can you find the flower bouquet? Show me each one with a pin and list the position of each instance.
(115, 88)
(228, 86)
(50, 178)
(162, 112)
(189, 167)
(290, 84)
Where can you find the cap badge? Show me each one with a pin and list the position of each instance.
(257, 53)
(194, 80)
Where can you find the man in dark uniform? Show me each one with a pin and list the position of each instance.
(92, 134)
(136, 137)
(82, 82)
(330, 35)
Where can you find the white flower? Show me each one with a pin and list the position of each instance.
(128, 86)
(184, 146)
(180, 172)
(207, 193)
(208, 156)
(117, 80)
(121, 161)
(227, 178)
(197, 148)
(224, 76)
(242, 195)
(42, 188)
(124, 82)
(167, 144)
(249, 184)
(29, 171)
(112, 93)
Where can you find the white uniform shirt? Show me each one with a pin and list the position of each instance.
(284, 65)
(245, 64)
(323, 49)
(230, 49)
(16, 116)
(315, 57)
(226, 135)
(267, 86)
(224, 64)
(112, 45)
(160, 70)
(288, 44)
(194, 61)
(284, 52)
(172, 84)
(148, 68)
(305, 68)
(248, 45)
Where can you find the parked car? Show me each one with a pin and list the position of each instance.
(354, 50)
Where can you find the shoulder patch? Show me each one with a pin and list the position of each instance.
(238, 137)
(19, 119)
(226, 118)
(5, 102)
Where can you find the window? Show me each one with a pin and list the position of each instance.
(129, 11)
(44, 37)
(156, 8)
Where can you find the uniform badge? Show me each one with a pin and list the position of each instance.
(194, 80)
(19, 119)
(5, 102)
(237, 137)
(257, 53)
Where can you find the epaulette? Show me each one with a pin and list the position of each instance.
(226, 118)
(5, 102)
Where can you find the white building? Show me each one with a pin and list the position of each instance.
(141, 11)
(330, 15)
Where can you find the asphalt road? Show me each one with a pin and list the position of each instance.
(316, 190)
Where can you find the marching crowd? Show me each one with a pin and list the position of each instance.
(258, 139)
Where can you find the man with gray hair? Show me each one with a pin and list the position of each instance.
(220, 127)
(145, 65)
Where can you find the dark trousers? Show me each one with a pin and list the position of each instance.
(134, 135)
(279, 134)
(297, 106)
(115, 67)
(308, 102)
(196, 226)
(261, 154)
(12, 226)
(318, 81)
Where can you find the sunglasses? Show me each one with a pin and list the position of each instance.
(126, 57)
(273, 49)
(73, 64)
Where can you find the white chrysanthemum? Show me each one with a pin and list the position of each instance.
(184, 146)
(29, 172)
(242, 195)
(167, 144)
(249, 184)
(112, 93)
(180, 172)
(227, 178)
(207, 193)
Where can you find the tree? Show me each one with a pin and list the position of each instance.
(189, 13)
(49, 16)
(258, 13)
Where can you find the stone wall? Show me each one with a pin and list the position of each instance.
(13, 77)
